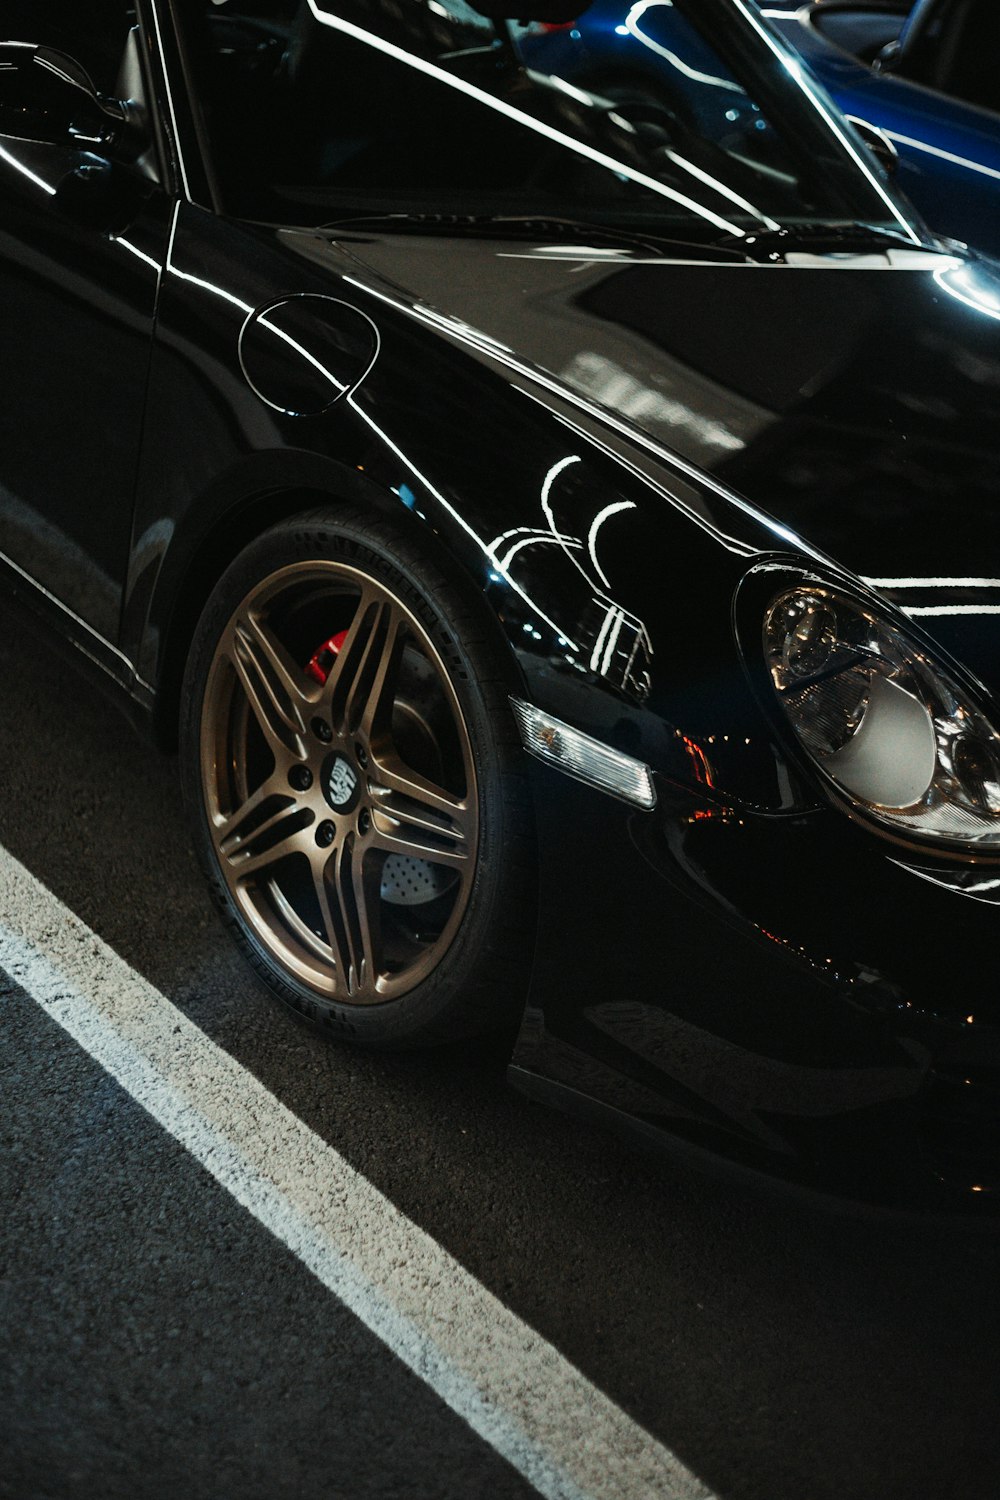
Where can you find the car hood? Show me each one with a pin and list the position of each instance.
(854, 397)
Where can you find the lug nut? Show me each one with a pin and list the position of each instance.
(322, 730)
(325, 834)
(364, 820)
(301, 778)
(362, 755)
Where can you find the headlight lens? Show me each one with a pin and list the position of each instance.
(887, 726)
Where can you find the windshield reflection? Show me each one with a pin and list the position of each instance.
(660, 116)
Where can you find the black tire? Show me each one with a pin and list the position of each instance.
(382, 948)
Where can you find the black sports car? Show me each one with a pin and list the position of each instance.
(556, 525)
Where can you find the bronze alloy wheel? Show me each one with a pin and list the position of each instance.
(339, 782)
(359, 796)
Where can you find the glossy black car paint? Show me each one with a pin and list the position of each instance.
(747, 969)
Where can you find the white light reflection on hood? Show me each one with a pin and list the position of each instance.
(971, 284)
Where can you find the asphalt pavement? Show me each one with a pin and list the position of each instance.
(156, 1339)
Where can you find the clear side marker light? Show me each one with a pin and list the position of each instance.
(585, 758)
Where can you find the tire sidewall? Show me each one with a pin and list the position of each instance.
(442, 1005)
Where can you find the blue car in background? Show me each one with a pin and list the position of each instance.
(921, 81)
(927, 75)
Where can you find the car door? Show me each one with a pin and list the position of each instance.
(83, 234)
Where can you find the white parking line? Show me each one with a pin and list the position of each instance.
(514, 1389)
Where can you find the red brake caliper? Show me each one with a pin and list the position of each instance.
(322, 659)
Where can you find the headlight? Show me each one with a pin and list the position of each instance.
(886, 725)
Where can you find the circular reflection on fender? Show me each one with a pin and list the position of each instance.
(301, 354)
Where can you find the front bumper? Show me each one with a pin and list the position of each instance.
(789, 992)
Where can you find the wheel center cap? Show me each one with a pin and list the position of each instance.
(339, 781)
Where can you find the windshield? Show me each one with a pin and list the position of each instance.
(683, 118)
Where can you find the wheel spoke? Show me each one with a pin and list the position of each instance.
(359, 688)
(233, 828)
(395, 777)
(276, 689)
(348, 895)
(414, 817)
(264, 829)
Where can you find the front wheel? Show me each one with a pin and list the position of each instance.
(354, 775)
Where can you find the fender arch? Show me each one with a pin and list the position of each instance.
(175, 565)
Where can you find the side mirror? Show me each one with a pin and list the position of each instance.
(46, 96)
(879, 144)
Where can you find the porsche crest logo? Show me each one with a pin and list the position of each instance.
(341, 783)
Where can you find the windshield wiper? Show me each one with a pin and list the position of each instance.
(767, 244)
(756, 246)
(529, 228)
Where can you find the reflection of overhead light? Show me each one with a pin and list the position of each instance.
(550, 479)
(972, 890)
(286, 338)
(966, 285)
(609, 510)
(569, 89)
(279, 333)
(891, 259)
(632, 20)
(26, 172)
(141, 254)
(452, 510)
(792, 66)
(534, 539)
(455, 325)
(621, 649)
(579, 252)
(579, 148)
(604, 647)
(720, 187)
(546, 500)
(958, 161)
(615, 387)
(950, 609)
(933, 583)
(210, 286)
